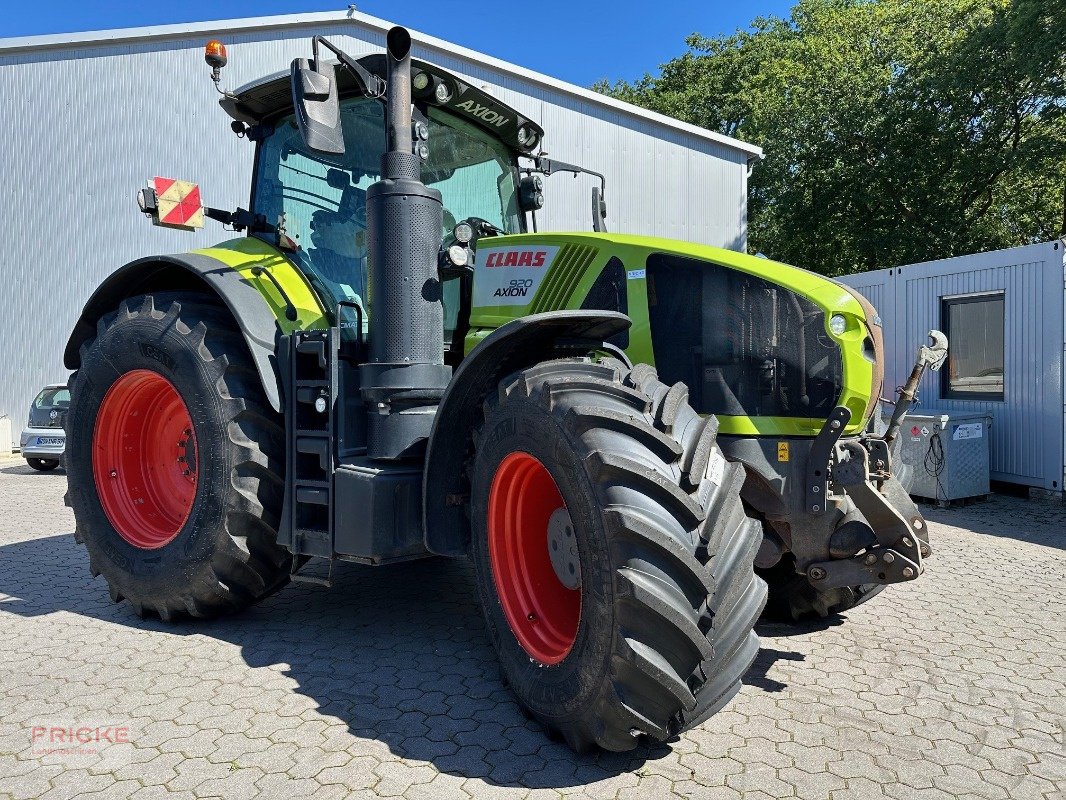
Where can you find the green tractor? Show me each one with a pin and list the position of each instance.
(386, 366)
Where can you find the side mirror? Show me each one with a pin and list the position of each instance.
(317, 104)
(599, 211)
(337, 178)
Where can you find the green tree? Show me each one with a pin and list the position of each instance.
(894, 130)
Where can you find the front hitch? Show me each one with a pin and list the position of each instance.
(901, 534)
(860, 470)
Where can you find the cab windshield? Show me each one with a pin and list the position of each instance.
(323, 197)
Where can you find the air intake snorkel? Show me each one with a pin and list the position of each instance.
(405, 375)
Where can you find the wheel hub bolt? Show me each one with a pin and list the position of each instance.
(114, 473)
(531, 617)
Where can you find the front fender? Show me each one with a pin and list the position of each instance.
(225, 271)
(514, 346)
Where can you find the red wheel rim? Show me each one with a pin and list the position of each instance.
(144, 459)
(542, 612)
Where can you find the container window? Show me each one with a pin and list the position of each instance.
(974, 326)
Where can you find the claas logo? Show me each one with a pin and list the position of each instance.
(516, 258)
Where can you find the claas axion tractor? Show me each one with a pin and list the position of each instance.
(618, 431)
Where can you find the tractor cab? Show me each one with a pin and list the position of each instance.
(468, 144)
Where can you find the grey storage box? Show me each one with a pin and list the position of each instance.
(944, 455)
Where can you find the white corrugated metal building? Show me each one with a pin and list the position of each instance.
(1003, 312)
(85, 119)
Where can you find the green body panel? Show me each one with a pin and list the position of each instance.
(246, 253)
(576, 263)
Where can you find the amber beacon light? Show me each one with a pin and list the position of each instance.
(215, 54)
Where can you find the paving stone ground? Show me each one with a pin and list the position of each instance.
(385, 685)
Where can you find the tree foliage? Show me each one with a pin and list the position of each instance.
(894, 131)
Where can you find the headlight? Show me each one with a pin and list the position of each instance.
(463, 233)
(837, 324)
(443, 93)
(527, 137)
(457, 254)
(420, 81)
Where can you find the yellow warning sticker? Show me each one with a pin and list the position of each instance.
(782, 451)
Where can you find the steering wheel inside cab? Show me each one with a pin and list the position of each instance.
(457, 250)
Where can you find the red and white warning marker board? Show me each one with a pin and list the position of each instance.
(179, 204)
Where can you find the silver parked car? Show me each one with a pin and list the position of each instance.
(43, 440)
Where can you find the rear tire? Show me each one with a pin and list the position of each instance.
(42, 464)
(662, 630)
(792, 598)
(215, 549)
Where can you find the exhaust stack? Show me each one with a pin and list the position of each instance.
(405, 375)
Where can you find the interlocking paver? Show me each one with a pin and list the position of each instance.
(953, 686)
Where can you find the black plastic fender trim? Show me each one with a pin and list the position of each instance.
(514, 346)
(182, 272)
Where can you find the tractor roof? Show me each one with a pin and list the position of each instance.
(271, 96)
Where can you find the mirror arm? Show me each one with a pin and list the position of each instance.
(369, 84)
(239, 220)
(547, 166)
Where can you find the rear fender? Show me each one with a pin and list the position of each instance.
(224, 271)
(512, 347)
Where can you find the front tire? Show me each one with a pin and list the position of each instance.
(645, 628)
(42, 464)
(175, 460)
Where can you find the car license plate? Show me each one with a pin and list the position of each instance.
(49, 441)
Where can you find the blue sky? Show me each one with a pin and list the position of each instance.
(576, 41)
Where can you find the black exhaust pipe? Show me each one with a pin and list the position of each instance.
(405, 376)
(398, 109)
